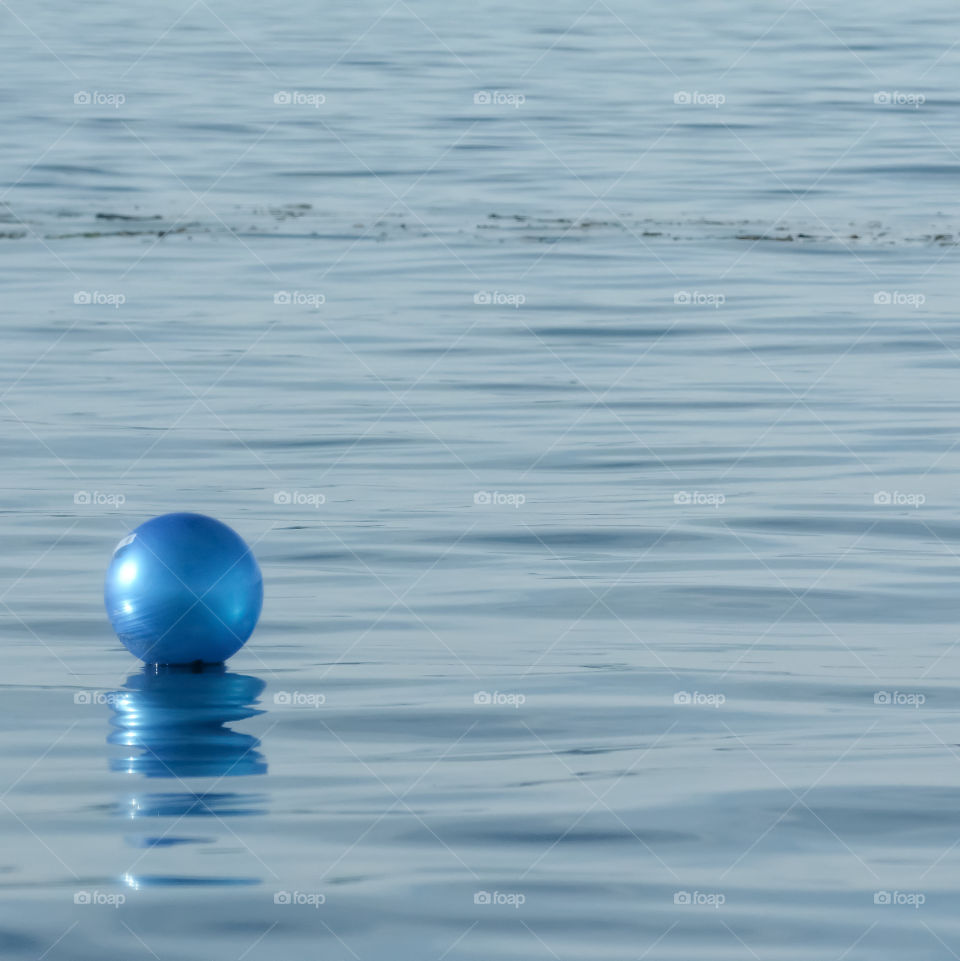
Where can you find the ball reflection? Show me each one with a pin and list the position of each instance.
(174, 722)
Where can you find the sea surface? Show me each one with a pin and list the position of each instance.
(584, 378)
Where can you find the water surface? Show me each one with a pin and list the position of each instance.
(584, 377)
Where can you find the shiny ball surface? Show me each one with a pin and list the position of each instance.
(183, 588)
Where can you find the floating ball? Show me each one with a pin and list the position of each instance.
(183, 588)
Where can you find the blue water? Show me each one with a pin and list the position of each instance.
(584, 379)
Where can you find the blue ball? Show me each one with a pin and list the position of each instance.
(183, 588)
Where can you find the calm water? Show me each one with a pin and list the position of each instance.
(584, 377)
